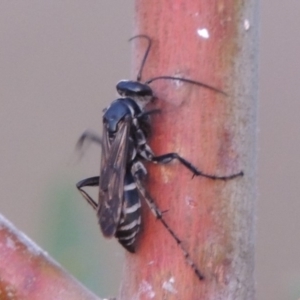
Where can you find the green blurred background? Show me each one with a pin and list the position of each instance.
(59, 63)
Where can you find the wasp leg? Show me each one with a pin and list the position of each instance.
(87, 136)
(166, 158)
(90, 137)
(139, 172)
(92, 181)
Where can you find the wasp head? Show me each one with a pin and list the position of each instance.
(137, 91)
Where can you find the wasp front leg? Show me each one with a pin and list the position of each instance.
(92, 181)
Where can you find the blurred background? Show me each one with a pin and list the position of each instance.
(59, 63)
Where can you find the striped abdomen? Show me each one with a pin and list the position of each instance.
(130, 220)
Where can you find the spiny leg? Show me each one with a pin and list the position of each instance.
(166, 158)
(139, 173)
(91, 181)
(179, 242)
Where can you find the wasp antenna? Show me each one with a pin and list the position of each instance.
(139, 76)
(188, 81)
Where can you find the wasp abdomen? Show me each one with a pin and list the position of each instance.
(130, 221)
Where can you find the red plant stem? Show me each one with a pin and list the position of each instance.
(28, 273)
(217, 133)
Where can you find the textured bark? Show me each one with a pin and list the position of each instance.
(217, 133)
(28, 273)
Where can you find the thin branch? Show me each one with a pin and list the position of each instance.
(27, 272)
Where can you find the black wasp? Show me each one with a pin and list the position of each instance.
(124, 148)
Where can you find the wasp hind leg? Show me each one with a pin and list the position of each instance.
(91, 181)
(166, 158)
(139, 172)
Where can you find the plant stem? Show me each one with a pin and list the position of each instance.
(214, 43)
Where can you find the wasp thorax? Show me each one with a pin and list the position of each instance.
(114, 114)
(140, 92)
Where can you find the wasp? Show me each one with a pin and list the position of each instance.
(126, 127)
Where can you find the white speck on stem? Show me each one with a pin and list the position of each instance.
(146, 289)
(178, 83)
(10, 243)
(203, 32)
(190, 202)
(246, 24)
(168, 285)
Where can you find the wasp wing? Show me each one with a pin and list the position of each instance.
(113, 167)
